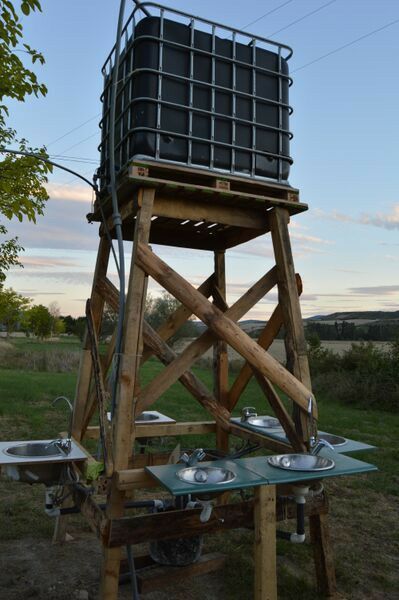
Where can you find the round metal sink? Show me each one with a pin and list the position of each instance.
(206, 475)
(266, 422)
(33, 450)
(301, 462)
(146, 416)
(334, 440)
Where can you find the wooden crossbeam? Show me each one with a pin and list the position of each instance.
(265, 340)
(223, 327)
(172, 372)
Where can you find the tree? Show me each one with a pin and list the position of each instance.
(157, 310)
(22, 179)
(39, 321)
(12, 307)
(57, 323)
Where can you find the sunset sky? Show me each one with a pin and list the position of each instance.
(345, 150)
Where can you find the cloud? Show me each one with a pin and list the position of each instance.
(309, 238)
(34, 262)
(71, 277)
(389, 221)
(375, 290)
(71, 193)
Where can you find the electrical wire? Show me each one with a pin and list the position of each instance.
(359, 39)
(267, 14)
(309, 14)
(73, 130)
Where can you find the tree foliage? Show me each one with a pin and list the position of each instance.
(22, 179)
(39, 321)
(158, 309)
(12, 307)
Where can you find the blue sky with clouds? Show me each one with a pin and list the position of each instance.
(345, 152)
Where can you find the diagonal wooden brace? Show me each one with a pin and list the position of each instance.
(172, 372)
(223, 327)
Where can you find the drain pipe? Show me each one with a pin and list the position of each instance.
(298, 536)
(52, 510)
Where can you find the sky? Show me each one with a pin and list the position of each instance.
(346, 129)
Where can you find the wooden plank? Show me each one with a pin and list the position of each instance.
(183, 209)
(172, 373)
(220, 355)
(164, 429)
(101, 394)
(157, 577)
(123, 423)
(323, 555)
(130, 479)
(265, 543)
(296, 350)
(265, 340)
(223, 327)
(185, 523)
(85, 366)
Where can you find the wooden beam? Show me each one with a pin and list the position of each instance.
(323, 555)
(123, 423)
(186, 209)
(223, 327)
(220, 354)
(172, 372)
(265, 543)
(265, 340)
(164, 429)
(186, 523)
(296, 350)
(85, 366)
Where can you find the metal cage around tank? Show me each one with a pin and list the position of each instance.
(194, 92)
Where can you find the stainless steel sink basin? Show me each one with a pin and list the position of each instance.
(266, 422)
(34, 450)
(301, 462)
(334, 440)
(201, 475)
(146, 416)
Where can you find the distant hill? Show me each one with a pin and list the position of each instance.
(369, 315)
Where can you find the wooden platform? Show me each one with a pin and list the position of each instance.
(198, 209)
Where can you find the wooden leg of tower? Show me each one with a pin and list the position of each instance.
(220, 355)
(128, 382)
(323, 555)
(297, 358)
(85, 367)
(265, 543)
(298, 364)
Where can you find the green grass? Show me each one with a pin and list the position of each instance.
(363, 508)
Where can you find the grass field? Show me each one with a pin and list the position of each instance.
(364, 509)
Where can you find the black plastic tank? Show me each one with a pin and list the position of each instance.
(191, 93)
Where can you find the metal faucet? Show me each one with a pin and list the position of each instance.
(192, 459)
(247, 412)
(65, 445)
(318, 444)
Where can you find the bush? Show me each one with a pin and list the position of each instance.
(364, 375)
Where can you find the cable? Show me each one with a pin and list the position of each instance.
(267, 14)
(313, 12)
(115, 206)
(80, 142)
(359, 39)
(73, 130)
(48, 161)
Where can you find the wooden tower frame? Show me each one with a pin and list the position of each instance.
(189, 208)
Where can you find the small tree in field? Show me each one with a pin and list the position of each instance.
(12, 307)
(39, 321)
(157, 310)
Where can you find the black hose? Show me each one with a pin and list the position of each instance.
(71, 510)
(115, 207)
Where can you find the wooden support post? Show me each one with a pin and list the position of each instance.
(129, 364)
(223, 327)
(295, 342)
(85, 367)
(220, 355)
(265, 543)
(323, 555)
